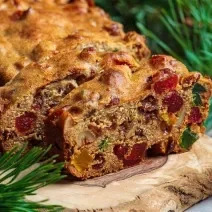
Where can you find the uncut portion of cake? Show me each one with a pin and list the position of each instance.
(65, 45)
(120, 118)
(30, 31)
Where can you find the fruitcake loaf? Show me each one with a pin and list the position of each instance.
(121, 117)
(30, 30)
(63, 45)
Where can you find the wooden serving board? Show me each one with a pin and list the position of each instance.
(184, 180)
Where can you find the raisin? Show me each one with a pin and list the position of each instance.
(195, 116)
(149, 103)
(25, 122)
(149, 81)
(167, 81)
(149, 116)
(174, 102)
(100, 161)
(139, 132)
(120, 151)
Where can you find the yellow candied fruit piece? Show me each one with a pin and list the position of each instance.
(82, 161)
(165, 118)
(170, 119)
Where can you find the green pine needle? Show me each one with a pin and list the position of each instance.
(14, 188)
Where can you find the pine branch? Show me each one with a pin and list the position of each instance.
(188, 23)
(15, 187)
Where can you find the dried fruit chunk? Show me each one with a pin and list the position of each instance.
(137, 153)
(149, 103)
(188, 138)
(82, 161)
(167, 81)
(197, 99)
(190, 80)
(174, 102)
(104, 144)
(100, 161)
(120, 151)
(85, 137)
(25, 122)
(195, 116)
(157, 60)
(198, 88)
(196, 91)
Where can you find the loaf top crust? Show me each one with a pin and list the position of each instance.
(33, 31)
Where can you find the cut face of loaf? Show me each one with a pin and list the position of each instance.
(118, 119)
(25, 101)
(30, 31)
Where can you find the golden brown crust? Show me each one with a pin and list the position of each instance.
(30, 31)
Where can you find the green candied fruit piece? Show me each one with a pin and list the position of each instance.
(104, 144)
(188, 138)
(196, 91)
(198, 88)
(197, 99)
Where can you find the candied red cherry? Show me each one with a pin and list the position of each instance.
(137, 152)
(195, 116)
(174, 102)
(25, 122)
(120, 151)
(167, 81)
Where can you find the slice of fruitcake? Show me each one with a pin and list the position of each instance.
(120, 118)
(25, 101)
